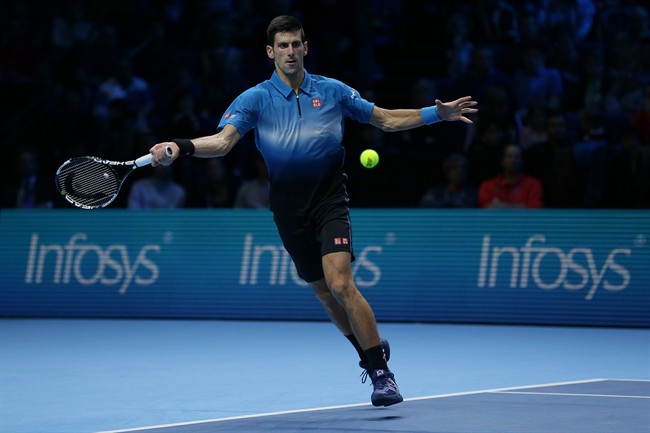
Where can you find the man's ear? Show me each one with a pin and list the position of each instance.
(306, 47)
(269, 52)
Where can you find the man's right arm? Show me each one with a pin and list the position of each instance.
(210, 146)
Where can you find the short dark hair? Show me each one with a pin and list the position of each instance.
(283, 23)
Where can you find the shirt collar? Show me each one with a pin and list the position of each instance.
(286, 90)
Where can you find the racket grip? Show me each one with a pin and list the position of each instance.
(146, 159)
(143, 160)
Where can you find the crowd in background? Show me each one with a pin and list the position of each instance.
(563, 88)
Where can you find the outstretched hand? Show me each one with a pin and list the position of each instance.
(456, 110)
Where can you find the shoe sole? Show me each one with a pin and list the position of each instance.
(387, 401)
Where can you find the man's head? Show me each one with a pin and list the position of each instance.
(512, 161)
(456, 168)
(286, 45)
(283, 24)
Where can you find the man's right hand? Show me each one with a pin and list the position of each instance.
(160, 155)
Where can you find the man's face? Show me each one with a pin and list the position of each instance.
(288, 52)
(512, 161)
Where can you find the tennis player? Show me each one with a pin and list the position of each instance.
(298, 120)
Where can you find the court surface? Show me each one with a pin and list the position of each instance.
(580, 407)
(88, 376)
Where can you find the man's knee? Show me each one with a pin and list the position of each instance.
(322, 291)
(344, 290)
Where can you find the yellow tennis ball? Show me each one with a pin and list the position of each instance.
(369, 158)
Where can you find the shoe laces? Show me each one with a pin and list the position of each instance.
(385, 381)
(364, 375)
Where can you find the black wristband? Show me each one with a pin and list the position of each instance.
(185, 146)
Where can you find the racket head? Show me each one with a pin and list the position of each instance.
(88, 182)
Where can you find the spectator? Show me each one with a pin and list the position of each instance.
(498, 19)
(30, 190)
(533, 130)
(512, 188)
(590, 92)
(123, 84)
(458, 45)
(530, 32)
(456, 192)
(624, 96)
(629, 186)
(187, 120)
(486, 150)
(626, 45)
(122, 104)
(483, 75)
(216, 191)
(428, 143)
(594, 154)
(159, 191)
(573, 16)
(552, 162)
(641, 118)
(537, 84)
(569, 60)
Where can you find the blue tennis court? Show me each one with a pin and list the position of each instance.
(176, 376)
(594, 406)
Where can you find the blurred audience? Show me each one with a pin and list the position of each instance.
(157, 191)
(253, 193)
(215, 188)
(552, 161)
(29, 189)
(537, 84)
(641, 118)
(84, 80)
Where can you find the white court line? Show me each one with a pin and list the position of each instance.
(260, 415)
(628, 380)
(570, 394)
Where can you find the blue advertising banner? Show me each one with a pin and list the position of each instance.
(560, 267)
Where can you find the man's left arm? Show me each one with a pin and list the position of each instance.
(403, 119)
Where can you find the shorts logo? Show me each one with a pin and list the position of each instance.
(316, 103)
(341, 241)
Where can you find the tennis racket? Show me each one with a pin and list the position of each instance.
(89, 182)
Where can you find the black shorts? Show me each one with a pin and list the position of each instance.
(308, 238)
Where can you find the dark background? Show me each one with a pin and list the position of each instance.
(194, 57)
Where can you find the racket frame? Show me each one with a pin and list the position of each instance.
(110, 165)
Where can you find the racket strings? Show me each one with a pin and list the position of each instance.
(88, 182)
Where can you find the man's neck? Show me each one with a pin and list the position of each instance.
(511, 177)
(293, 81)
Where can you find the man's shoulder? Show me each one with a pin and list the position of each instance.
(260, 89)
(256, 96)
(321, 80)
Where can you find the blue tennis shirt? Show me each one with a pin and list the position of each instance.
(299, 136)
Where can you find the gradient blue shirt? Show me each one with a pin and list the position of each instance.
(300, 137)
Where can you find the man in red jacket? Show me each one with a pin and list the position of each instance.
(512, 188)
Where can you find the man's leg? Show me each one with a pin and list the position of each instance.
(338, 276)
(351, 304)
(339, 317)
(332, 307)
